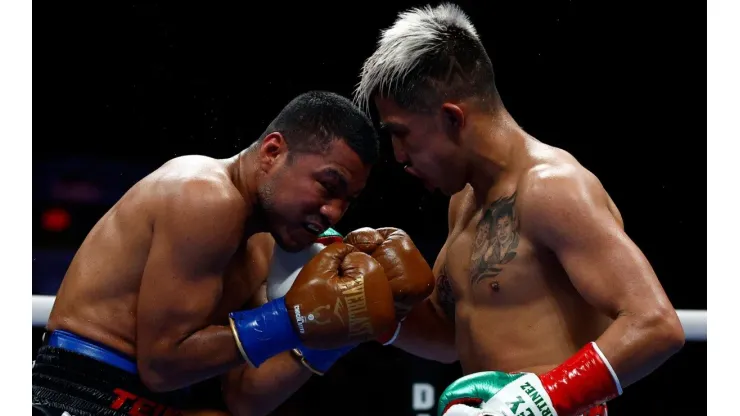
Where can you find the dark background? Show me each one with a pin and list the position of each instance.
(126, 86)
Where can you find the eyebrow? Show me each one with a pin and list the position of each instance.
(336, 176)
(389, 125)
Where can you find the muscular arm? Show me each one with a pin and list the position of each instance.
(569, 214)
(258, 391)
(429, 329)
(428, 332)
(197, 229)
(252, 391)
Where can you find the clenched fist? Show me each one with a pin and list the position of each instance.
(411, 279)
(341, 297)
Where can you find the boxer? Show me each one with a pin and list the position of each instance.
(247, 391)
(164, 291)
(549, 306)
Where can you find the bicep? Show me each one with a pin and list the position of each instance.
(442, 298)
(441, 301)
(609, 270)
(428, 330)
(192, 243)
(176, 296)
(604, 265)
(259, 251)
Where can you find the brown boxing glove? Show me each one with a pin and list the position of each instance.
(409, 274)
(341, 297)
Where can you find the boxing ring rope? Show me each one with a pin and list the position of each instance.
(694, 321)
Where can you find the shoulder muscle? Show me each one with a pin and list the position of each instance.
(457, 203)
(202, 217)
(560, 203)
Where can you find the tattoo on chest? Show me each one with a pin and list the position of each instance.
(496, 239)
(444, 294)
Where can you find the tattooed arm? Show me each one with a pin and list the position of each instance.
(429, 329)
(570, 214)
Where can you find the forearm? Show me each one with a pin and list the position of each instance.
(637, 344)
(204, 354)
(632, 347)
(426, 334)
(258, 391)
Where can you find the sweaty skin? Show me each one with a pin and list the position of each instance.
(534, 268)
(157, 276)
(171, 259)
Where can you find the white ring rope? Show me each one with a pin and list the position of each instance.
(694, 321)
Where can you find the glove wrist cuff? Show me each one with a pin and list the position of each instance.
(584, 380)
(263, 332)
(239, 343)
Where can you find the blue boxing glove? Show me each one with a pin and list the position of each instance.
(341, 297)
(283, 271)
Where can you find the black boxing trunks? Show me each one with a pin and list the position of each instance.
(73, 376)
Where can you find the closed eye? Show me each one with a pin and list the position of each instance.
(329, 189)
(394, 130)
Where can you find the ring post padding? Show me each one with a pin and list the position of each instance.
(694, 322)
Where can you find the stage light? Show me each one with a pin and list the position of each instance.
(55, 220)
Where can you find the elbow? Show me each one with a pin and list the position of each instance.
(666, 331)
(154, 375)
(235, 402)
(447, 357)
(244, 403)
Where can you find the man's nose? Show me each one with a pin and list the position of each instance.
(333, 210)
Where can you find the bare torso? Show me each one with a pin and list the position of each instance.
(513, 305)
(99, 294)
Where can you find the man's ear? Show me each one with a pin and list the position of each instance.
(272, 148)
(454, 119)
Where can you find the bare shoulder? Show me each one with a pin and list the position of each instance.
(458, 204)
(558, 191)
(196, 188)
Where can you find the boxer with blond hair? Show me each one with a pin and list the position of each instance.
(547, 303)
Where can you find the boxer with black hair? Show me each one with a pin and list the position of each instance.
(161, 293)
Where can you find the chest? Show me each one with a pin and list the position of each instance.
(488, 258)
(244, 278)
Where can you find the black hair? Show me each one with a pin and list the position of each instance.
(312, 121)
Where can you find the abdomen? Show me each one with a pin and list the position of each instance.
(529, 337)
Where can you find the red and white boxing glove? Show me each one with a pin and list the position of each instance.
(583, 381)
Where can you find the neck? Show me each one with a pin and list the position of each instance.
(495, 150)
(244, 172)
